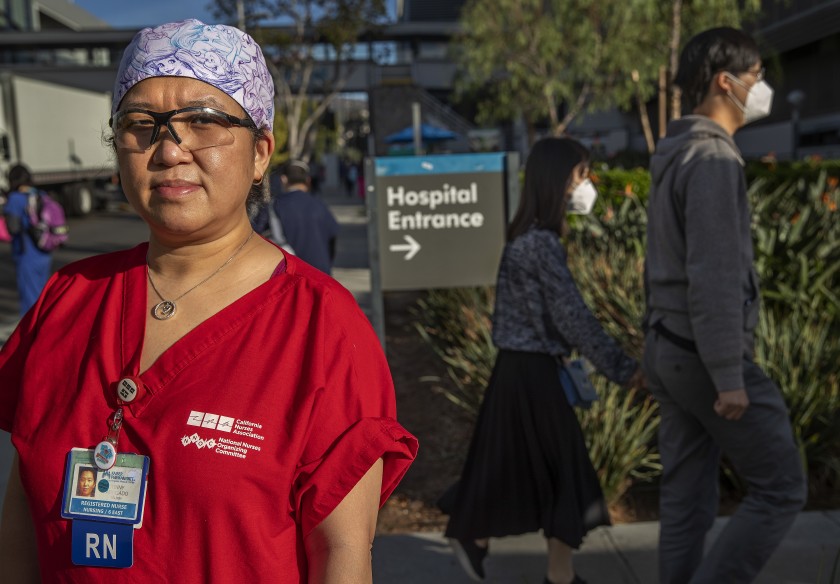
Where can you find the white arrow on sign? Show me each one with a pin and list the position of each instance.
(410, 245)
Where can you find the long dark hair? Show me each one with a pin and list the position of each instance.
(548, 175)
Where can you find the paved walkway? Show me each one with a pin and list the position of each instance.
(351, 262)
(623, 554)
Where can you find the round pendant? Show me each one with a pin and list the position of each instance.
(105, 455)
(164, 310)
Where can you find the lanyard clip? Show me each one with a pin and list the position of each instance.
(105, 453)
(114, 427)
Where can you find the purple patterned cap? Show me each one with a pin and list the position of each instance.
(223, 56)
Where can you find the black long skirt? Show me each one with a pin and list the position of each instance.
(527, 468)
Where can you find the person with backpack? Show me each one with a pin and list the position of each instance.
(32, 259)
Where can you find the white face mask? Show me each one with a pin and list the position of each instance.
(759, 100)
(582, 199)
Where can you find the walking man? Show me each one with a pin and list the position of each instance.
(703, 301)
(308, 224)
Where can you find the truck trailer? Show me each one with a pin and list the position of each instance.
(58, 133)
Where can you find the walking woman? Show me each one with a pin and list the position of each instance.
(528, 468)
(236, 400)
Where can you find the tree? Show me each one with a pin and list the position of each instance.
(541, 58)
(310, 55)
(535, 57)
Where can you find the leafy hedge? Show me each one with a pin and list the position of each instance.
(797, 242)
(796, 226)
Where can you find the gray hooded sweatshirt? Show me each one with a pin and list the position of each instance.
(701, 284)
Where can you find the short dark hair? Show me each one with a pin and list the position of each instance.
(548, 176)
(707, 54)
(296, 172)
(19, 176)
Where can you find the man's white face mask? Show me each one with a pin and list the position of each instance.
(582, 198)
(759, 100)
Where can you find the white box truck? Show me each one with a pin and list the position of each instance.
(57, 132)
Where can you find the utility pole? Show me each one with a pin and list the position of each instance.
(240, 15)
(417, 125)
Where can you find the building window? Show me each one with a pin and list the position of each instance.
(15, 15)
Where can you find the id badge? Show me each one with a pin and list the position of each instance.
(116, 495)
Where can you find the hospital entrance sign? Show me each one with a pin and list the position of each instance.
(439, 219)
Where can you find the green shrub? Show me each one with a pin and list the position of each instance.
(619, 217)
(800, 350)
(797, 242)
(611, 285)
(616, 184)
(456, 324)
(619, 431)
(778, 173)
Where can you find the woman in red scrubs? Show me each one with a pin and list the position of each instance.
(251, 384)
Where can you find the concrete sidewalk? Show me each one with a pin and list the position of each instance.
(623, 554)
(352, 261)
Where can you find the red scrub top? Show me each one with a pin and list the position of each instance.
(258, 422)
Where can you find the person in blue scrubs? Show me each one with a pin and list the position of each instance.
(32, 265)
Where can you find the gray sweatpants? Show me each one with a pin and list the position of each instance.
(691, 437)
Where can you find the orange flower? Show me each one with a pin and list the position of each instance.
(833, 182)
(832, 206)
(628, 190)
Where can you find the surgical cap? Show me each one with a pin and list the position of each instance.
(222, 56)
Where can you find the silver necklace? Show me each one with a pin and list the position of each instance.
(165, 309)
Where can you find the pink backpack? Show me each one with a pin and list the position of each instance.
(49, 225)
(5, 236)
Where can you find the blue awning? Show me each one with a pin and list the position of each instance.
(428, 133)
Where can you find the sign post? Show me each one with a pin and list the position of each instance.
(436, 221)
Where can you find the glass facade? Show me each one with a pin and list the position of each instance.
(15, 15)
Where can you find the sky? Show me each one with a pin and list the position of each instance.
(136, 14)
(139, 13)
